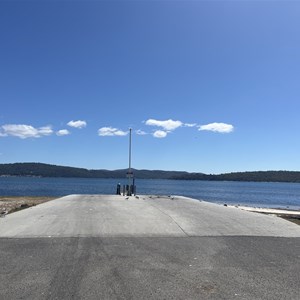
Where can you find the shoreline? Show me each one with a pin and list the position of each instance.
(287, 214)
(268, 210)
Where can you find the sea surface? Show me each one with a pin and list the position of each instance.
(260, 194)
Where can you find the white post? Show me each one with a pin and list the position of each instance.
(129, 169)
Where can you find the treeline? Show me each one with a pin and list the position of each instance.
(46, 170)
(258, 176)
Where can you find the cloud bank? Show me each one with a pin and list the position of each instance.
(77, 124)
(164, 128)
(110, 131)
(25, 131)
(217, 127)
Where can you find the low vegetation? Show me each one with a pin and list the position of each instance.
(46, 170)
(259, 176)
(12, 204)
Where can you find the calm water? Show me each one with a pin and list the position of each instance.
(244, 193)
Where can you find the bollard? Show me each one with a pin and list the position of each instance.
(132, 190)
(128, 190)
(118, 189)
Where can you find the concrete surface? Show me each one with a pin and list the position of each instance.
(109, 247)
(114, 216)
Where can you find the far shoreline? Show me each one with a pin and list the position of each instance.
(37, 169)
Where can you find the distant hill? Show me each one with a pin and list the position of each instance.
(46, 170)
(258, 176)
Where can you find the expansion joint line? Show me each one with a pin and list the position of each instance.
(170, 218)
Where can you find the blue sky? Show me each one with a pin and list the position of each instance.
(207, 86)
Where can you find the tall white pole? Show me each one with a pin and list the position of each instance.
(129, 169)
(130, 149)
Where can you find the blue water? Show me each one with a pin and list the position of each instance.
(244, 193)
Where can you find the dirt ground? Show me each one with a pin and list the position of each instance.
(12, 204)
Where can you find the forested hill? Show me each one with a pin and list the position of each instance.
(259, 176)
(46, 170)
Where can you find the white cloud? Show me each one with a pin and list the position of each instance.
(167, 125)
(217, 127)
(110, 131)
(46, 130)
(63, 132)
(190, 124)
(160, 134)
(77, 124)
(25, 131)
(140, 132)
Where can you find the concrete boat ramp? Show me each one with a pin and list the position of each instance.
(115, 247)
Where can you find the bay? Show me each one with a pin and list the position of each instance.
(261, 194)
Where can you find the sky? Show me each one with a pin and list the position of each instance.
(206, 86)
